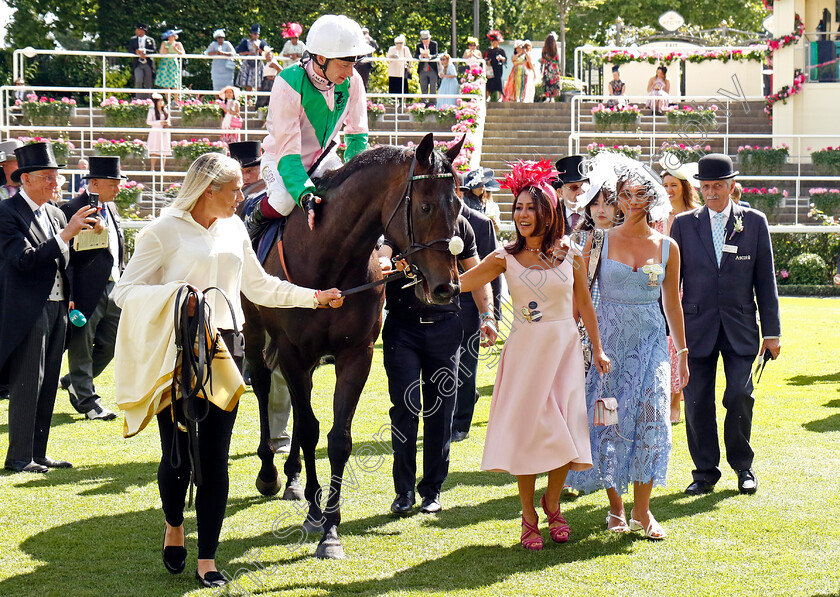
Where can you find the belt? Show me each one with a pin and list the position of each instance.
(418, 318)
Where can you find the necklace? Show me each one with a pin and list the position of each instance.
(532, 250)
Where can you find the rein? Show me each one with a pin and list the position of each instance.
(195, 351)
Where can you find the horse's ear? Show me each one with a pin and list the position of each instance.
(453, 151)
(424, 150)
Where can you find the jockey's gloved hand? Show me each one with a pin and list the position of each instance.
(308, 203)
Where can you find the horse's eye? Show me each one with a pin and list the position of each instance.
(426, 207)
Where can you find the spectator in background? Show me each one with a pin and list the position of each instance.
(79, 181)
(231, 121)
(495, 58)
(399, 65)
(271, 70)
(448, 82)
(20, 93)
(617, 88)
(169, 72)
(142, 67)
(221, 72)
(251, 71)
(159, 143)
(679, 184)
(426, 53)
(293, 49)
(472, 54)
(365, 65)
(530, 73)
(550, 69)
(478, 188)
(516, 88)
(7, 149)
(737, 192)
(570, 185)
(659, 88)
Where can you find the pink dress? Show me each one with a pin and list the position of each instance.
(538, 416)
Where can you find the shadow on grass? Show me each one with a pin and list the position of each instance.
(807, 380)
(101, 479)
(58, 419)
(830, 423)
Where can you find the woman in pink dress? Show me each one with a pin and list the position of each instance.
(159, 143)
(538, 418)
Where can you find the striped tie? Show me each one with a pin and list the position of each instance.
(717, 236)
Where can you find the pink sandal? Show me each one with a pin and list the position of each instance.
(559, 534)
(528, 529)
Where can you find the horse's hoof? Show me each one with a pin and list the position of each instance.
(268, 488)
(311, 528)
(294, 491)
(330, 548)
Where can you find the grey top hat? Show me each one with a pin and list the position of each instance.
(33, 157)
(8, 149)
(715, 166)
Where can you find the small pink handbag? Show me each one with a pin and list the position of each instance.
(606, 409)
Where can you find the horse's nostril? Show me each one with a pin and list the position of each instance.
(445, 291)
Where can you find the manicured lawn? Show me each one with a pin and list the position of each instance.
(96, 529)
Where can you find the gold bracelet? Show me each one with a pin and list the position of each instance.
(681, 351)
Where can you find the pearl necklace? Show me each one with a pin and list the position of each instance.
(532, 250)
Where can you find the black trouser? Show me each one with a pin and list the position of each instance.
(415, 351)
(467, 368)
(266, 85)
(90, 350)
(33, 383)
(700, 406)
(214, 434)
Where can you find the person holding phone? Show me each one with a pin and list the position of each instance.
(95, 272)
(727, 275)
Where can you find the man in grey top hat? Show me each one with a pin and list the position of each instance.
(9, 162)
(427, 67)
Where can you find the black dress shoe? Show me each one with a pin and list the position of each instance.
(403, 504)
(23, 466)
(211, 579)
(459, 436)
(431, 505)
(747, 483)
(699, 488)
(52, 462)
(174, 557)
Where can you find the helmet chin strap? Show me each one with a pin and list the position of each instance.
(323, 66)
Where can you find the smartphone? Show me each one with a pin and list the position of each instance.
(93, 200)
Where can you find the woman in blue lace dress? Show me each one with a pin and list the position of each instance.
(637, 264)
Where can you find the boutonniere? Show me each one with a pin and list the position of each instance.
(739, 226)
(653, 272)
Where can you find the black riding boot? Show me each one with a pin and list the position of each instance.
(256, 222)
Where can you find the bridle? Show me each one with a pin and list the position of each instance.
(412, 271)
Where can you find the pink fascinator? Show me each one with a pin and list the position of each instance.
(291, 30)
(532, 174)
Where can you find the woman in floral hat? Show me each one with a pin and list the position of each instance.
(293, 49)
(495, 58)
(548, 387)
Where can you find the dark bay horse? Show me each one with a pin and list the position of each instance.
(410, 194)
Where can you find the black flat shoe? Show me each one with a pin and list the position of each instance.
(174, 556)
(404, 503)
(699, 488)
(431, 505)
(211, 579)
(747, 483)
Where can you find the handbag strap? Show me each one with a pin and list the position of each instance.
(605, 380)
(595, 254)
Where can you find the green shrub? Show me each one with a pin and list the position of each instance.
(788, 246)
(808, 268)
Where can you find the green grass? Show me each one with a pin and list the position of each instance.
(96, 529)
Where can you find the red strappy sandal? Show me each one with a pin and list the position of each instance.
(559, 534)
(528, 529)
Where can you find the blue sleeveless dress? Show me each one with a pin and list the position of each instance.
(632, 332)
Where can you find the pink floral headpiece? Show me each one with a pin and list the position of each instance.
(291, 30)
(532, 174)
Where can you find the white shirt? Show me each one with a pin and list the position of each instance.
(57, 293)
(727, 211)
(113, 240)
(176, 248)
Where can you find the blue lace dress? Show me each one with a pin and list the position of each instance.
(632, 332)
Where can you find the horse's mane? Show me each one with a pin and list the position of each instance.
(382, 155)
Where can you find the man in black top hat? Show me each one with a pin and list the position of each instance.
(727, 267)
(34, 290)
(142, 66)
(9, 165)
(93, 276)
(569, 183)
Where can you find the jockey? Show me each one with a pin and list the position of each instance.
(310, 103)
